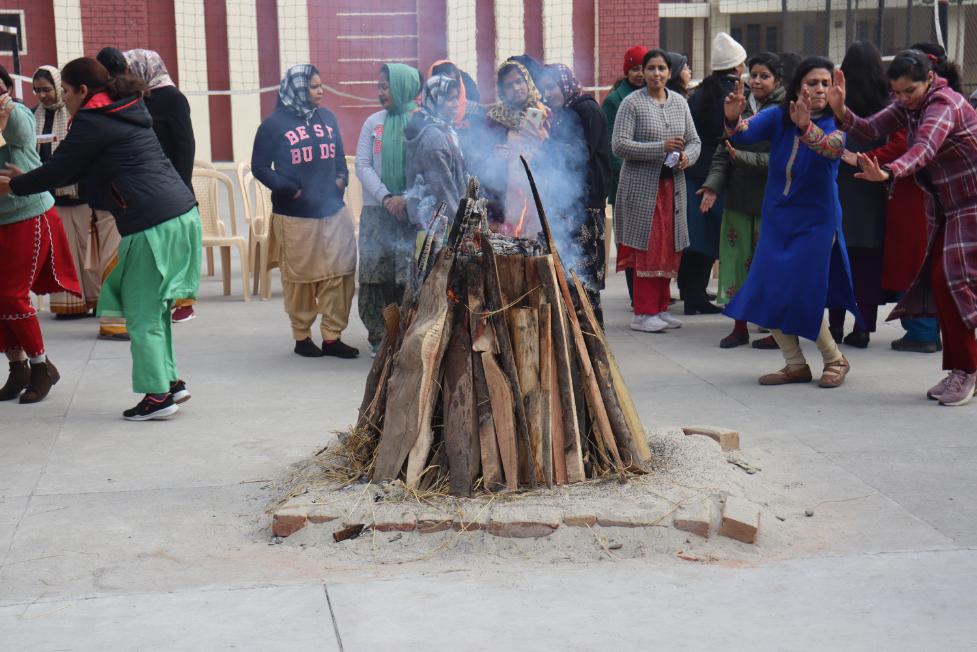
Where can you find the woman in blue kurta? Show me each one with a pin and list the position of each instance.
(800, 266)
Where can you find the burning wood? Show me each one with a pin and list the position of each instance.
(493, 372)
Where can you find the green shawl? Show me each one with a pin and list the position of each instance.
(405, 84)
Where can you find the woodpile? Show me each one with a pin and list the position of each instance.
(493, 373)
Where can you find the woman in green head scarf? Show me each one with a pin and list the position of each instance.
(386, 239)
(404, 83)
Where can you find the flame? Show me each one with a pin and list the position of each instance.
(522, 218)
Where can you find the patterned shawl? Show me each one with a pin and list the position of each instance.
(567, 80)
(293, 93)
(148, 66)
(512, 116)
(436, 89)
(59, 127)
(405, 84)
(462, 94)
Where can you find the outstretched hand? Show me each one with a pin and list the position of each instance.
(871, 170)
(836, 95)
(708, 199)
(800, 110)
(735, 103)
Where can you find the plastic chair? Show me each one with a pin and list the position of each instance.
(207, 165)
(257, 211)
(206, 184)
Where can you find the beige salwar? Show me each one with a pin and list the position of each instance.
(790, 346)
(93, 239)
(317, 258)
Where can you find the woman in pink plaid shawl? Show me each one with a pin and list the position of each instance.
(942, 137)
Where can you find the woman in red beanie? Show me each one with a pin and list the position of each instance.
(634, 78)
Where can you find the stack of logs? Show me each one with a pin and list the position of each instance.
(494, 373)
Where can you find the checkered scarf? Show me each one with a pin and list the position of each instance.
(567, 80)
(293, 93)
(436, 89)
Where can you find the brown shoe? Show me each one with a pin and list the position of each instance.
(20, 375)
(792, 373)
(834, 373)
(44, 375)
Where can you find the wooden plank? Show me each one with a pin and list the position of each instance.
(500, 395)
(488, 446)
(379, 371)
(412, 390)
(626, 438)
(546, 388)
(597, 347)
(601, 422)
(493, 303)
(524, 326)
(535, 298)
(482, 337)
(573, 456)
(459, 408)
(591, 390)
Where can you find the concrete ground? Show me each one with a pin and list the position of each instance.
(153, 536)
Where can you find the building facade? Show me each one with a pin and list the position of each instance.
(228, 55)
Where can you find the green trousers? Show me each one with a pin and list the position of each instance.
(150, 323)
(156, 267)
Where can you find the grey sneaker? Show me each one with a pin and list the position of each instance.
(937, 390)
(960, 389)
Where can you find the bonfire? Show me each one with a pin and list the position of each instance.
(493, 374)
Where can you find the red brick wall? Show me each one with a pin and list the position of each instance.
(624, 23)
(219, 79)
(128, 24)
(41, 45)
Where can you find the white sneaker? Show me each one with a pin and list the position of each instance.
(648, 323)
(669, 319)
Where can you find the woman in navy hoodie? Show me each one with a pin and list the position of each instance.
(298, 153)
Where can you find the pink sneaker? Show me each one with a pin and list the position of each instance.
(183, 314)
(937, 390)
(959, 389)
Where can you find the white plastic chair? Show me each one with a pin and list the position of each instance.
(206, 184)
(257, 211)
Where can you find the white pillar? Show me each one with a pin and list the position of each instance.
(699, 63)
(462, 26)
(718, 22)
(510, 35)
(68, 31)
(558, 31)
(242, 35)
(293, 33)
(191, 58)
(837, 33)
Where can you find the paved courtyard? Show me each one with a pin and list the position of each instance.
(153, 536)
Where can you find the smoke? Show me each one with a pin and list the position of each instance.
(559, 164)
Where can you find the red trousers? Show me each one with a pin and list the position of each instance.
(651, 295)
(959, 343)
(34, 255)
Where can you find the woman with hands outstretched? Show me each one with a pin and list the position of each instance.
(941, 129)
(800, 266)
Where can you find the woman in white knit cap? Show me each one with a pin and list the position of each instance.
(727, 65)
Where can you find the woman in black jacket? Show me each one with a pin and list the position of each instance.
(579, 143)
(728, 63)
(862, 202)
(170, 111)
(111, 147)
